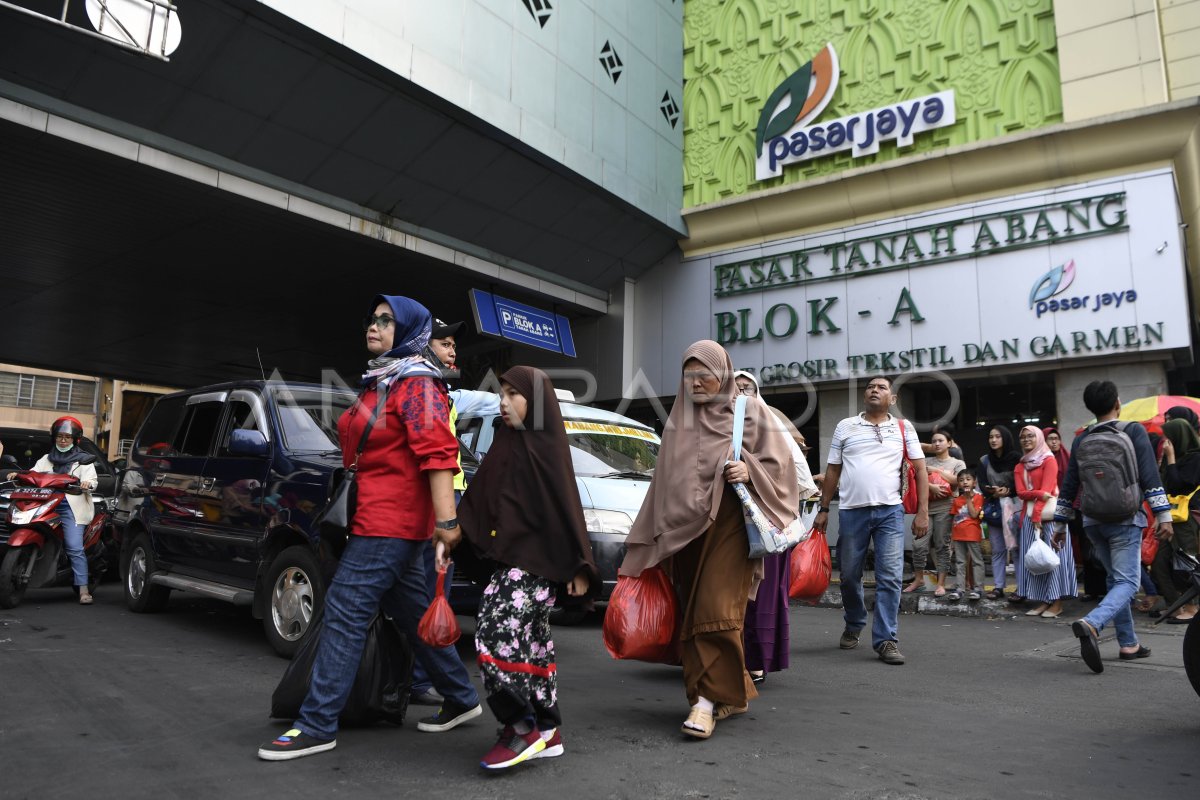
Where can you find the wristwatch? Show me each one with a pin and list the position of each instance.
(823, 509)
(447, 524)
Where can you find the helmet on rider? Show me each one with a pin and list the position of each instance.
(67, 425)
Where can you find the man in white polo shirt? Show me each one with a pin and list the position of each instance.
(865, 458)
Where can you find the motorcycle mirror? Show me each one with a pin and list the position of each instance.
(10, 461)
(87, 458)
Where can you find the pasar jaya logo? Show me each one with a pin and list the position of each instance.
(1044, 297)
(808, 90)
(785, 136)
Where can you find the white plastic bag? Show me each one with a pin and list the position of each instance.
(1040, 558)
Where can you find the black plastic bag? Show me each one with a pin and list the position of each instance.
(381, 686)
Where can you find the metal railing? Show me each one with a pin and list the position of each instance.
(155, 16)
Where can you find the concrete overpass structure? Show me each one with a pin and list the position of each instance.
(175, 221)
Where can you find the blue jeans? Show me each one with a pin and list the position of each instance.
(375, 572)
(1119, 548)
(73, 543)
(857, 528)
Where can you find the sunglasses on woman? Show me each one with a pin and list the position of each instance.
(382, 321)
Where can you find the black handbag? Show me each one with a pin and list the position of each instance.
(381, 684)
(333, 523)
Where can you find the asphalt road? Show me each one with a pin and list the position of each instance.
(99, 702)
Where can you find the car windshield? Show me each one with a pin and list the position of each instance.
(309, 418)
(611, 450)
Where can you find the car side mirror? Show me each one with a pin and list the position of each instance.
(120, 464)
(248, 443)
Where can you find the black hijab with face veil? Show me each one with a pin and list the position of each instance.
(522, 509)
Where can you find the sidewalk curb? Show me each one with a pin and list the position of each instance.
(921, 604)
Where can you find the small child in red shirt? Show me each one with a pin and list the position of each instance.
(966, 508)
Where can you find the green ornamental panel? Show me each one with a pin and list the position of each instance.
(999, 57)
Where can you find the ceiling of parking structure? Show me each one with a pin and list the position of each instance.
(109, 267)
(253, 86)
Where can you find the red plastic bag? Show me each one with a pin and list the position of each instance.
(811, 568)
(908, 477)
(439, 626)
(935, 480)
(1149, 545)
(642, 619)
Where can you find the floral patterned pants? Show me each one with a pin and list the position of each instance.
(516, 653)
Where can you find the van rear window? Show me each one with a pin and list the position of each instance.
(157, 436)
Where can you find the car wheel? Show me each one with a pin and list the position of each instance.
(141, 596)
(295, 592)
(12, 568)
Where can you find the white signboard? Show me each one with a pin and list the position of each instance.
(860, 133)
(1087, 271)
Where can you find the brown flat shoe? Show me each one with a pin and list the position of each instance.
(699, 724)
(723, 710)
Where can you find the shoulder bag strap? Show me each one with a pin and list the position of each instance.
(739, 425)
(903, 444)
(381, 400)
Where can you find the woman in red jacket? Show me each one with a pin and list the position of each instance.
(405, 488)
(1036, 477)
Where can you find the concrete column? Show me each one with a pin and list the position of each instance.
(1132, 380)
(834, 404)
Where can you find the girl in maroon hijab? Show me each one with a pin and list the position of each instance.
(522, 516)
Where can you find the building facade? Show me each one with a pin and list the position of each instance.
(998, 202)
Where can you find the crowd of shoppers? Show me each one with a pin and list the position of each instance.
(523, 535)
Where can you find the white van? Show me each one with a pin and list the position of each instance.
(614, 458)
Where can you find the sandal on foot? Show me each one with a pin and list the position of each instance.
(912, 587)
(699, 723)
(939, 591)
(955, 595)
(995, 594)
(724, 710)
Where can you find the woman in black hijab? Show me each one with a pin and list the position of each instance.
(1184, 413)
(522, 515)
(998, 485)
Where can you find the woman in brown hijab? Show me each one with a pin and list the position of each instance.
(522, 516)
(691, 523)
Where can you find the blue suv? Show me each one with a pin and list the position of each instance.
(219, 497)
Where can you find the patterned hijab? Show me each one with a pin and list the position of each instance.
(410, 337)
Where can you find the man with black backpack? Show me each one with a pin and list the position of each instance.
(1112, 471)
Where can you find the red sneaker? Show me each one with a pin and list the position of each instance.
(554, 745)
(512, 748)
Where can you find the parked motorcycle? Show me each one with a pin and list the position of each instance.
(36, 556)
(1191, 639)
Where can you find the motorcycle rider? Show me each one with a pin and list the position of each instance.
(78, 511)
